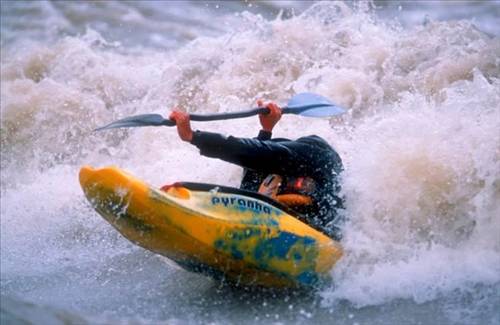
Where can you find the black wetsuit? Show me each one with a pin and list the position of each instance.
(309, 156)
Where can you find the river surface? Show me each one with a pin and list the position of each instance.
(420, 142)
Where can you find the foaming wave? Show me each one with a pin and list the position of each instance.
(362, 63)
(420, 139)
(53, 97)
(422, 183)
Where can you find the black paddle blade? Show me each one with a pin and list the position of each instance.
(137, 121)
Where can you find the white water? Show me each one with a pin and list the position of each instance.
(420, 144)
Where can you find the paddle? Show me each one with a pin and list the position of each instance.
(304, 104)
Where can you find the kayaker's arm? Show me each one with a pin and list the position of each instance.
(257, 154)
(264, 135)
(268, 121)
(265, 156)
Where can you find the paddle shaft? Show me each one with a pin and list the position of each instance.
(242, 114)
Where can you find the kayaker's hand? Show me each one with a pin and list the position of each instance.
(268, 121)
(181, 119)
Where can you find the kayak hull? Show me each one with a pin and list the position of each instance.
(224, 233)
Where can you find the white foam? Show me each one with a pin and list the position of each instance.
(420, 140)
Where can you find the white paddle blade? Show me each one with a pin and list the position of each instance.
(313, 105)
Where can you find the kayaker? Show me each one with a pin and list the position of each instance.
(302, 174)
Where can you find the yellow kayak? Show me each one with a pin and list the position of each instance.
(228, 234)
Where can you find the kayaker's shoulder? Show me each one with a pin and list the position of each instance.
(315, 140)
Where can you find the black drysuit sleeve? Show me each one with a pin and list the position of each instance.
(285, 158)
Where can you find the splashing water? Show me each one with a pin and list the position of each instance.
(420, 144)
